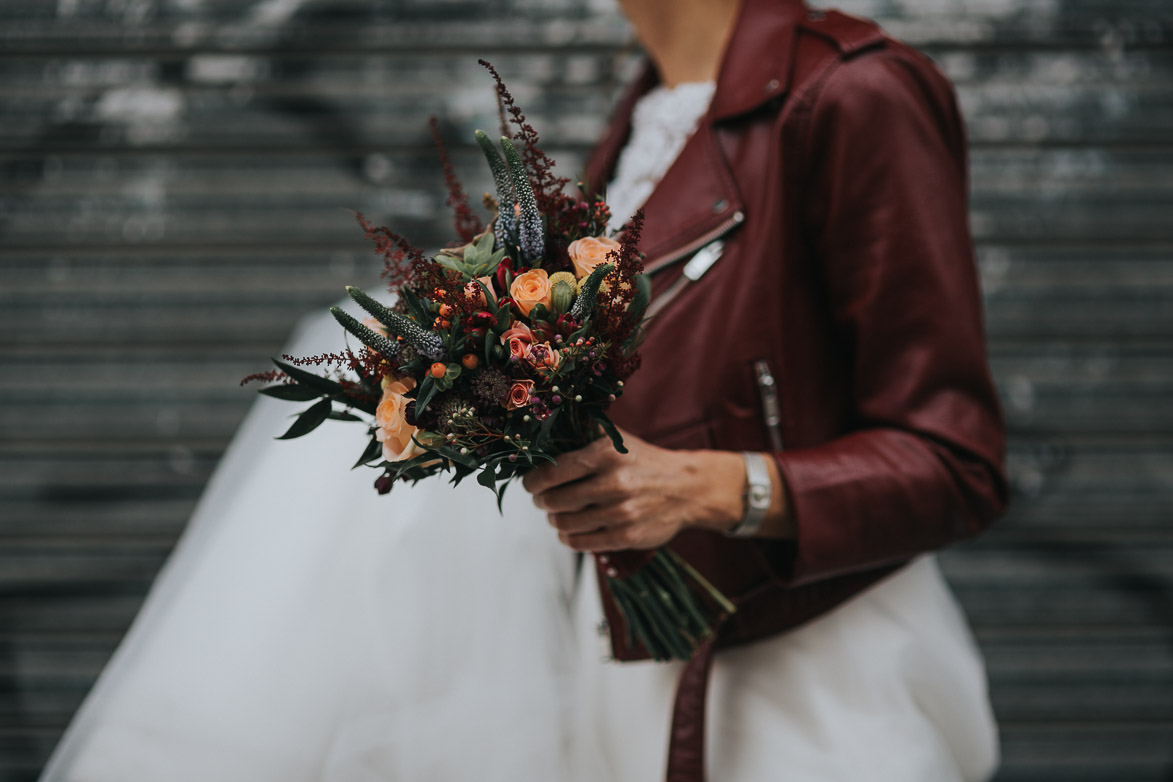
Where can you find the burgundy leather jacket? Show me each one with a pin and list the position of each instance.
(841, 327)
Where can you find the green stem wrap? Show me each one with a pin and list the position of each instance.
(668, 607)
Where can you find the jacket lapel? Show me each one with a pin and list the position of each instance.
(698, 196)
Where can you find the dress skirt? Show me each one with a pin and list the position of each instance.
(888, 687)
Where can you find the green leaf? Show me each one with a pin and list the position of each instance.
(427, 391)
(309, 379)
(342, 415)
(373, 451)
(487, 477)
(611, 430)
(308, 421)
(643, 295)
(290, 392)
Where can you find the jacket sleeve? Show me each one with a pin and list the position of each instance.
(922, 464)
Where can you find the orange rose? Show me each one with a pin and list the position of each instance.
(519, 394)
(530, 289)
(519, 337)
(590, 251)
(394, 432)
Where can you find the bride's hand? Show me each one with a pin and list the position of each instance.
(601, 500)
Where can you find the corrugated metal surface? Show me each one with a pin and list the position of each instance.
(175, 179)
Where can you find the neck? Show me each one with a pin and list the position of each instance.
(685, 38)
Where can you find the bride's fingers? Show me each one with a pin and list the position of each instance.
(578, 522)
(571, 466)
(579, 495)
(595, 517)
(611, 539)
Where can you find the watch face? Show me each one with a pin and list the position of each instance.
(759, 496)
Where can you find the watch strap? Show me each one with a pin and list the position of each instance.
(758, 492)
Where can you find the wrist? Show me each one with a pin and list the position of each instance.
(716, 480)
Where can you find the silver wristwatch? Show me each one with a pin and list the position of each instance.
(758, 490)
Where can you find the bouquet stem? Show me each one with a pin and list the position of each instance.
(668, 606)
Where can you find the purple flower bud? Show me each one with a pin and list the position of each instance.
(556, 399)
(512, 457)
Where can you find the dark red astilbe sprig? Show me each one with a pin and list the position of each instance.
(399, 255)
(547, 187)
(272, 376)
(464, 220)
(344, 359)
(615, 321)
(443, 286)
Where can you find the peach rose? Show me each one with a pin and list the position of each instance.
(590, 251)
(519, 394)
(394, 432)
(530, 289)
(519, 337)
(473, 291)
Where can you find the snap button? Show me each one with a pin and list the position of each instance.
(719, 205)
(772, 85)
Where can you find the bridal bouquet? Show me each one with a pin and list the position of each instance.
(502, 352)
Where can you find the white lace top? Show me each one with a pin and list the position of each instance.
(662, 121)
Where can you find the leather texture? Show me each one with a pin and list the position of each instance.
(852, 273)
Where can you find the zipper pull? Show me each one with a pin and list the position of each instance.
(704, 260)
(771, 409)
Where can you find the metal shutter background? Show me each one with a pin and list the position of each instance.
(173, 178)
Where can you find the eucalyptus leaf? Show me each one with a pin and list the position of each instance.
(373, 451)
(427, 391)
(290, 392)
(309, 420)
(309, 379)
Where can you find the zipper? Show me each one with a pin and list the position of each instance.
(654, 265)
(708, 249)
(771, 409)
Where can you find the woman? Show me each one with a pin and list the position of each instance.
(814, 286)
(308, 629)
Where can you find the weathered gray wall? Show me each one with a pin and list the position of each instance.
(170, 203)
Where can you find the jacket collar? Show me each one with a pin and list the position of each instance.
(756, 65)
(698, 194)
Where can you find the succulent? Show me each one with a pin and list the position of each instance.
(473, 260)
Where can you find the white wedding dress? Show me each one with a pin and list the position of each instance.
(308, 629)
